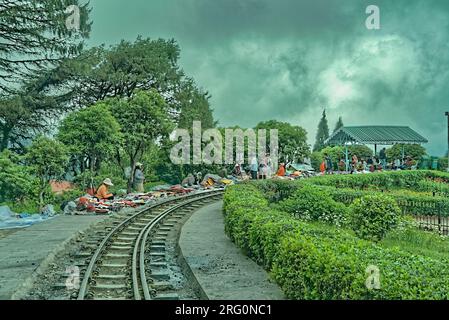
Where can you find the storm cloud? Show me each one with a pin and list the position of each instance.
(289, 59)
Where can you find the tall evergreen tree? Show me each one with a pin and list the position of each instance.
(339, 124)
(34, 35)
(322, 133)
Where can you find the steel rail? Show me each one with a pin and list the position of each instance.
(102, 246)
(142, 241)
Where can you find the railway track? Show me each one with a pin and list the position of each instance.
(131, 261)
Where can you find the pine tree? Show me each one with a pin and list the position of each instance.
(322, 133)
(339, 124)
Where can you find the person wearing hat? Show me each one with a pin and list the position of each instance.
(139, 178)
(103, 190)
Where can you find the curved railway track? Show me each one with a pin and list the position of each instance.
(131, 262)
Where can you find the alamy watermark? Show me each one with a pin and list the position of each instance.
(73, 278)
(373, 277)
(373, 20)
(72, 22)
(214, 153)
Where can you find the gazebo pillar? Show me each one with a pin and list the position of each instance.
(346, 157)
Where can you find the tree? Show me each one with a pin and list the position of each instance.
(194, 106)
(361, 151)
(48, 159)
(415, 151)
(16, 182)
(120, 70)
(292, 139)
(34, 35)
(92, 135)
(322, 133)
(144, 120)
(339, 124)
(24, 115)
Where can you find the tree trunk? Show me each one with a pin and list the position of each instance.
(41, 200)
(131, 176)
(5, 138)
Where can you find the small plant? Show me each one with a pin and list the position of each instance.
(311, 203)
(372, 216)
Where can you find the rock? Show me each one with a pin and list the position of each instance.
(49, 210)
(70, 208)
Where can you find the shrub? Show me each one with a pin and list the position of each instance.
(372, 216)
(319, 261)
(276, 190)
(311, 203)
(16, 181)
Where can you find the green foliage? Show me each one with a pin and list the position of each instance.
(318, 261)
(36, 35)
(16, 182)
(372, 216)
(322, 133)
(339, 124)
(442, 164)
(311, 203)
(143, 119)
(316, 159)
(418, 242)
(292, 139)
(415, 151)
(382, 180)
(91, 133)
(276, 190)
(337, 153)
(48, 159)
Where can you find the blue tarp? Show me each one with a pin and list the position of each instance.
(11, 220)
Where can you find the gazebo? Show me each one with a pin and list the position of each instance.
(374, 135)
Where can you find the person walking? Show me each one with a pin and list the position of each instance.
(139, 178)
(254, 168)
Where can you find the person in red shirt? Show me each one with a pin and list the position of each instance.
(281, 171)
(103, 190)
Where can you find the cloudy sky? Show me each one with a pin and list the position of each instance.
(289, 59)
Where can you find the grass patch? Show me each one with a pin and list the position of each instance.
(418, 242)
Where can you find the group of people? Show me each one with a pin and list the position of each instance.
(371, 164)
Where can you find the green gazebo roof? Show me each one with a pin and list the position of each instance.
(381, 135)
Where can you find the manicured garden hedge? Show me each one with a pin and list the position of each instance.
(318, 261)
(384, 180)
(409, 202)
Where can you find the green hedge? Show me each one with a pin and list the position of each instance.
(373, 216)
(382, 180)
(312, 203)
(317, 261)
(409, 202)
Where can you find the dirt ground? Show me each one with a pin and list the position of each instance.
(7, 232)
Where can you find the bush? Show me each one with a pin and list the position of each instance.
(16, 181)
(372, 216)
(319, 261)
(276, 190)
(311, 203)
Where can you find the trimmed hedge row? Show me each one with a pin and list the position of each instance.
(317, 261)
(383, 180)
(412, 204)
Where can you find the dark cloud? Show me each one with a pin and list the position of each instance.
(288, 59)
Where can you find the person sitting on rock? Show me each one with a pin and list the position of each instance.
(103, 190)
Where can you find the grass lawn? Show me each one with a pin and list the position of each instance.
(418, 242)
